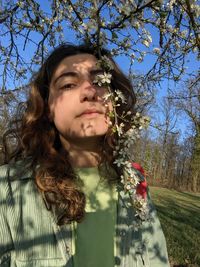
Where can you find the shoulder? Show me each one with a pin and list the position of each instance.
(3, 182)
(18, 170)
(16, 183)
(4, 190)
(10, 174)
(3, 177)
(3, 171)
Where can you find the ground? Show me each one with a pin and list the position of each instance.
(179, 213)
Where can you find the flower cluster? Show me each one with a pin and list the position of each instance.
(131, 180)
(127, 27)
(105, 63)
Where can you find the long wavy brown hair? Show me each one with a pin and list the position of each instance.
(38, 140)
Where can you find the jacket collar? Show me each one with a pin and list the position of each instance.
(20, 170)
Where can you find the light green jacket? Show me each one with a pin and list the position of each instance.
(30, 237)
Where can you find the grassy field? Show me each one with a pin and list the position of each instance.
(179, 213)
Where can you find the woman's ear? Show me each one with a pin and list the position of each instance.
(50, 117)
(49, 113)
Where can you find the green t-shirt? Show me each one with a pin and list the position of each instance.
(93, 238)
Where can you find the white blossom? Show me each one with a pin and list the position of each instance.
(156, 50)
(184, 33)
(105, 63)
(120, 96)
(102, 79)
(107, 96)
(146, 43)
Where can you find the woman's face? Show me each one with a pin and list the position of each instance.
(77, 106)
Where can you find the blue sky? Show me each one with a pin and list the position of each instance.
(191, 63)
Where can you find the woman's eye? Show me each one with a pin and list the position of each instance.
(97, 83)
(68, 86)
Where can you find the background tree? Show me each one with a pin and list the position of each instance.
(167, 137)
(168, 30)
(187, 99)
(160, 32)
(168, 158)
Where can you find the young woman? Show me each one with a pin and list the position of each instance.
(62, 199)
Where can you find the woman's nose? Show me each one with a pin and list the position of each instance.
(88, 91)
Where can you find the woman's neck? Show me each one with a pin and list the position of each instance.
(84, 153)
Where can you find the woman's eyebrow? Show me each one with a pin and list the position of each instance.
(65, 74)
(96, 72)
(75, 74)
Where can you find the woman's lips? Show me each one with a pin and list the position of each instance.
(90, 113)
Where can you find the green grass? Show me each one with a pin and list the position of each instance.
(179, 213)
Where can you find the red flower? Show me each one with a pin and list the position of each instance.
(142, 186)
(142, 189)
(138, 167)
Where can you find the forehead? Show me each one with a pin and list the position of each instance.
(78, 63)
